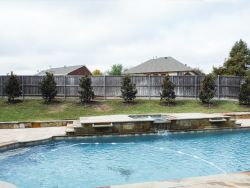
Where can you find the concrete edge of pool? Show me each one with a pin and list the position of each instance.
(6, 185)
(240, 179)
(235, 180)
(56, 135)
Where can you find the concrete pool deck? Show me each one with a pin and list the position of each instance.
(12, 136)
(235, 180)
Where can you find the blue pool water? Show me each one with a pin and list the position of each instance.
(104, 161)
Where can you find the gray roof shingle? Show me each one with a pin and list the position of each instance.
(60, 70)
(162, 64)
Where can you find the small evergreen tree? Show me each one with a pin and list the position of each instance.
(244, 96)
(86, 91)
(12, 87)
(48, 87)
(207, 91)
(168, 93)
(128, 89)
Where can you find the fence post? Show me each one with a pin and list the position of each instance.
(2, 86)
(22, 88)
(64, 87)
(196, 88)
(218, 86)
(104, 86)
(149, 87)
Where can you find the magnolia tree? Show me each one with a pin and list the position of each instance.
(86, 91)
(12, 87)
(244, 96)
(168, 93)
(48, 87)
(128, 89)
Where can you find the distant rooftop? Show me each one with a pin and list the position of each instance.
(162, 64)
(60, 70)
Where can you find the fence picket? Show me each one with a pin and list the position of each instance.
(147, 86)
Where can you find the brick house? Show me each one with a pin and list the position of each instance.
(79, 70)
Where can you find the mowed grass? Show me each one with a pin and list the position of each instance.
(34, 109)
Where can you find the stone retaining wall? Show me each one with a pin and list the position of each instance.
(151, 127)
(34, 124)
(119, 128)
(239, 115)
(199, 124)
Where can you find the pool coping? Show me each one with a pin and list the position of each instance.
(4, 146)
(237, 179)
(4, 184)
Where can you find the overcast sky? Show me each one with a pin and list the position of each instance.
(38, 34)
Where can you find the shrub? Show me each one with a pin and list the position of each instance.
(207, 91)
(12, 87)
(48, 87)
(168, 93)
(244, 96)
(128, 89)
(86, 91)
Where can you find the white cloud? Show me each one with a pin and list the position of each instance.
(37, 34)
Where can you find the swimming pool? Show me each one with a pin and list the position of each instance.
(92, 162)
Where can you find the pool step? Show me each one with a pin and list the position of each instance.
(214, 120)
(76, 123)
(237, 123)
(101, 125)
(70, 129)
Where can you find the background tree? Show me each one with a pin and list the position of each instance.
(86, 91)
(12, 87)
(237, 62)
(48, 87)
(116, 70)
(97, 72)
(244, 96)
(168, 93)
(207, 91)
(128, 89)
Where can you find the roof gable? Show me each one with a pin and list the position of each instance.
(61, 70)
(162, 64)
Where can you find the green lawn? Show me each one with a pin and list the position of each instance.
(36, 110)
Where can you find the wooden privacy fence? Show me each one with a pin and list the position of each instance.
(147, 86)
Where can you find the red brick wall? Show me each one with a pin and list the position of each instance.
(83, 71)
